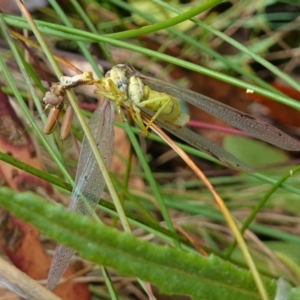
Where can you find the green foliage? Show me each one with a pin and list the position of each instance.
(200, 39)
(173, 271)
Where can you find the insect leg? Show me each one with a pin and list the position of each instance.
(111, 91)
(136, 116)
(158, 112)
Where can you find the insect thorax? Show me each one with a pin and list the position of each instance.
(135, 90)
(119, 75)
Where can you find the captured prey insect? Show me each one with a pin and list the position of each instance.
(55, 99)
(89, 181)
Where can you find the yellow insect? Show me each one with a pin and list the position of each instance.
(158, 100)
(130, 91)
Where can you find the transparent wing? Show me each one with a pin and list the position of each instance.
(234, 117)
(201, 143)
(89, 182)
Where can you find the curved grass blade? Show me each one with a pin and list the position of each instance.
(230, 115)
(89, 182)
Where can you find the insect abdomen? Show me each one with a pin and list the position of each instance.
(172, 111)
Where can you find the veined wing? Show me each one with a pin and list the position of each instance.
(89, 182)
(232, 116)
(201, 143)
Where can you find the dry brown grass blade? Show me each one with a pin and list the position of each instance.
(21, 284)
